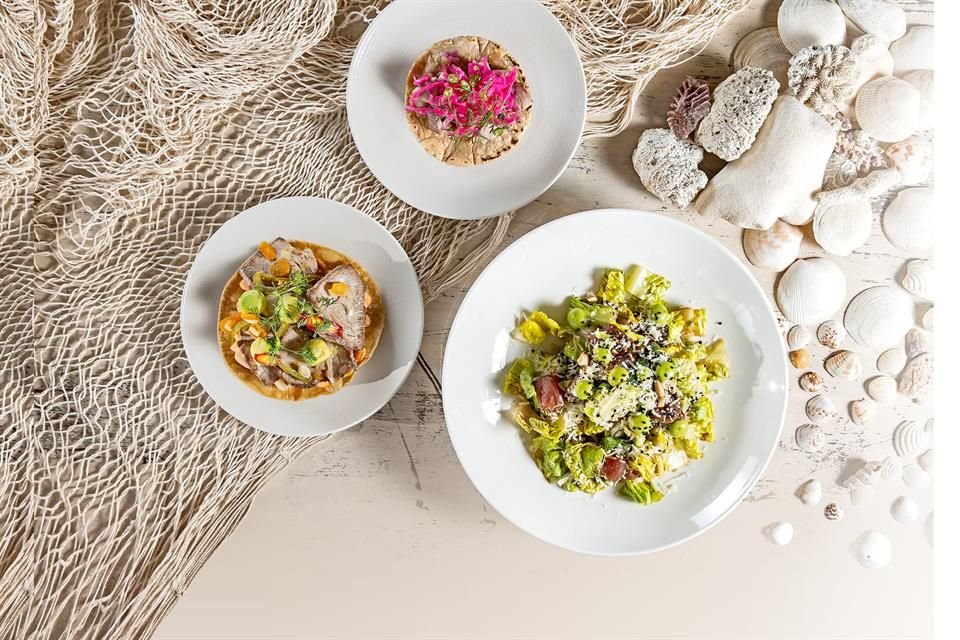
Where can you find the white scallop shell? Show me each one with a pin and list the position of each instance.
(822, 411)
(763, 48)
(888, 109)
(926, 460)
(810, 437)
(922, 79)
(798, 337)
(904, 510)
(883, 389)
(774, 248)
(803, 23)
(909, 439)
(879, 316)
(918, 278)
(913, 158)
(810, 492)
(863, 411)
(927, 321)
(916, 379)
(861, 495)
(873, 550)
(811, 381)
(908, 220)
(831, 334)
(891, 361)
(917, 341)
(883, 19)
(914, 50)
(889, 468)
(844, 364)
(780, 533)
(842, 227)
(811, 290)
(914, 476)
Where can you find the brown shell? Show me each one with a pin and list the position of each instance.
(689, 107)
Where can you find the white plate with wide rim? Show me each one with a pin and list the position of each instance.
(331, 224)
(375, 104)
(562, 258)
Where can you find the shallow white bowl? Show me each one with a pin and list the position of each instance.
(563, 258)
(326, 223)
(375, 104)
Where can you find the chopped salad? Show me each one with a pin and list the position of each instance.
(617, 392)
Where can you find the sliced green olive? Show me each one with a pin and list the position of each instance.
(640, 422)
(665, 371)
(659, 313)
(616, 376)
(583, 389)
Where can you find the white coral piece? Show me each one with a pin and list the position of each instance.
(823, 76)
(667, 166)
(740, 105)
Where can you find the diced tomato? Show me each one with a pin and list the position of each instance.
(613, 469)
(549, 393)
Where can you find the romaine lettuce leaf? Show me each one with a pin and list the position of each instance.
(640, 491)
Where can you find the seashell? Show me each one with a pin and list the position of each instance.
(740, 105)
(909, 439)
(873, 61)
(777, 176)
(863, 411)
(889, 468)
(774, 248)
(877, 317)
(688, 107)
(810, 437)
(811, 290)
(811, 381)
(823, 76)
(854, 154)
(888, 109)
(922, 79)
(861, 495)
(927, 321)
(904, 510)
(913, 158)
(810, 492)
(872, 550)
(798, 337)
(831, 334)
(763, 48)
(845, 365)
(926, 460)
(913, 51)
(908, 220)
(800, 358)
(667, 166)
(917, 341)
(803, 23)
(916, 379)
(832, 511)
(822, 411)
(914, 476)
(780, 533)
(883, 389)
(883, 19)
(891, 361)
(873, 184)
(866, 476)
(843, 227)
(918, 278)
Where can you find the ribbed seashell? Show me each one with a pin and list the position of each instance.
(918, 278)
(913, 158)
(810, 492)
(917, 341)
(831, 334)
(843, 227)
(811, 290)
(883, 19)
(879, 316)
(867, 475)
(914, 50)
(803, 23)
(916, 379)
(922, 79)
(832, 511)
(822, 411)
(780, 533)
(927, 320)
(883, 389)
(873, 61)
(863, 411)
(845, 365)
(872, 550)
(904, 510)
(861, 495)
(763, 48)
(888, 109)
(914, 476)
(926, 460)
(909, 439)
(891, 361)
(889, 468)
(798, 337)
(810, 437)
(811, 381)
(908, 220)
(774, 248)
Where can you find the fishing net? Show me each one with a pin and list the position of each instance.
(130, 130)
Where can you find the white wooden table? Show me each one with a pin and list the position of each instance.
(377, 533)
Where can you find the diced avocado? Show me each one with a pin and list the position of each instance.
(251, 302)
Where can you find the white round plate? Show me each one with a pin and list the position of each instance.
(326, 223)
(375, 104)
(562, 258)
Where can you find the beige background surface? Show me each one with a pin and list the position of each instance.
(377, 533)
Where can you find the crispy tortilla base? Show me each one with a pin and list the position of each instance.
(454, 151)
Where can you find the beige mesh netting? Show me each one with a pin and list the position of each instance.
(129, 131)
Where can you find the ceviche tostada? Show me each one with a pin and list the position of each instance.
(616, 393)
(467, 100)
(298, 319)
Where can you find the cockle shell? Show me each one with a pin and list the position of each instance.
(872, 550)
(740, 105)
(843, 227)
(780, 533)
(908, 220)
(927, 321)
(763, 48)
(774, 248)
(863, 411)
(811, 290)
(810, 492)
(810, 437)
(822, 411)
(798, 337)
(800, 358)
(877, 317)
(845, 365)
(802, 23)
(873, 61)
(823, 76)
(891, 361)
(916, 379)
(917, 341)
(831, 334)
(883, 19)
(914, 476)
(922, 79)
(888, 109)
(889, 468)
(926, 460)
(904, 510)
(914, 50)
(811, 381)
(918, 278)
(909, 439)
(667, 166)
(883, 389)
(913, 158)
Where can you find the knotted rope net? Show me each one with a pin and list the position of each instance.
(130, 130)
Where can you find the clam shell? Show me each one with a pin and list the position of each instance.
(916, 379)
(831, 334)
(922, 79)
(811, 290)
(913, 158)
(803, 23)
(904, 510)
(810, 437)
(832, 511)
(888, 109)
(891, 361)
(842, 227)
(917, 341)
(810, 492)
(861, 495)
(845, 365)
(927, 321)
(926, 460)
(780, 533)
(914, 50)
(798, 337)
(883, 19)
(914, 476)
(763, 48)
(909, 439)
(889, 468)
(883, 389)
(800, 358)
(811, 381)
(918, 278)
(872, 550)
(908, 220)
(774, 248)
(821, 411)
(863, 411)
(873, 61)
(877, 317)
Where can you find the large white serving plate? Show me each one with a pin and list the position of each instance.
(375, 104)
(343, 229)
(562, 258)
